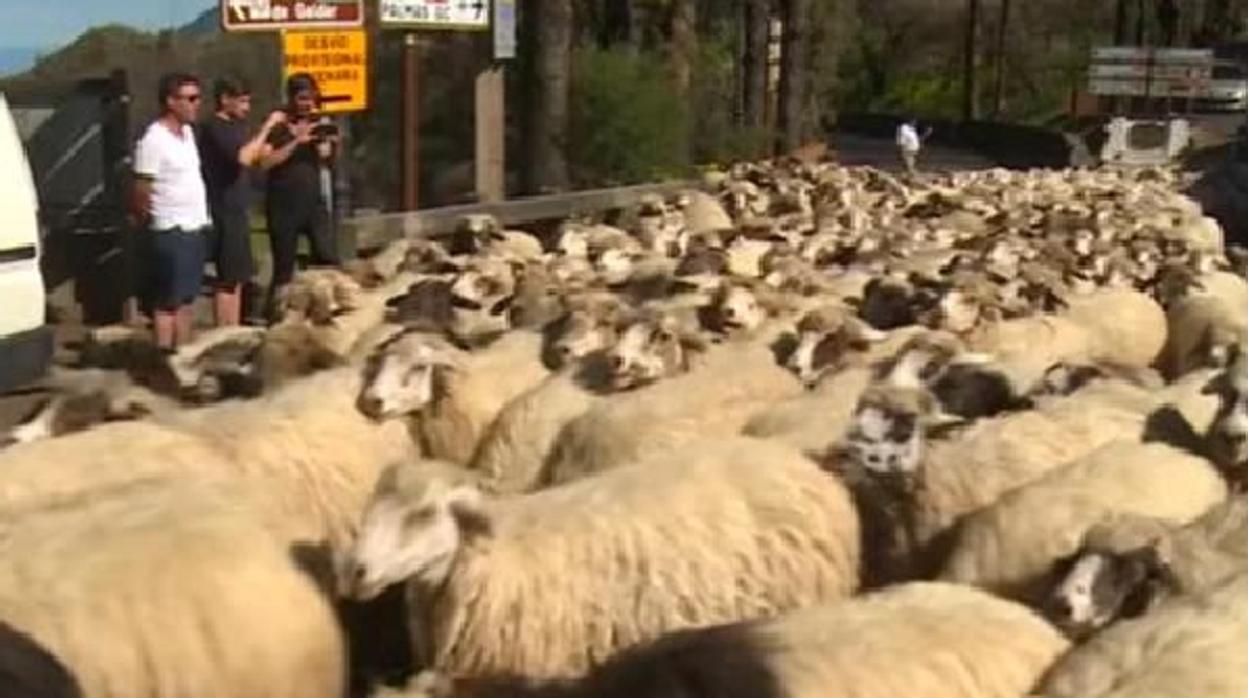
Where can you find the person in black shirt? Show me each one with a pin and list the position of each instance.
(297, 149)
(226, 153)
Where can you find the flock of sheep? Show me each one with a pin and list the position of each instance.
(807, 431)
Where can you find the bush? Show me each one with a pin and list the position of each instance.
(627, 122)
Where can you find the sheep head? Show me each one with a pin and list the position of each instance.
(650, 348)
(887, 435)
(734, 306)
(826, 339)
(481, 298)
(407, 374)
(418, 520)
(1228, 435)
(1097, 586)
(319, 295)
(589, 326)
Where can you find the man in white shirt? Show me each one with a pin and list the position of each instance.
(171, 200)
(909, 143)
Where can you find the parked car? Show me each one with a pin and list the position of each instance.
(25, 338)
(1228, 91)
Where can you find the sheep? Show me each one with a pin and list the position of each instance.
(922, 639)
(1115, 327)
(381, 267)
(704, 213)
(1227, 435)
(1205, 323)
(912, 488)
(729, 384)
(719, 531)
(304, 448)
(166, 588)
(1127, 564)
(451, 396)
(1190, 646)
(82, 399)
(1010, 546)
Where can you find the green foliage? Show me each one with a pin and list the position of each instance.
(718, 137)
(628, 124)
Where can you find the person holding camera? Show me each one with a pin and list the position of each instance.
(297, 150)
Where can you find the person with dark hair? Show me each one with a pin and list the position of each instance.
(170, 200)
(227, 153)
(297, 150)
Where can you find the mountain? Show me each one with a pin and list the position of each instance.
(15, 60)
(206, 24)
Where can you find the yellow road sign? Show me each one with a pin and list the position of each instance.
(337, 59)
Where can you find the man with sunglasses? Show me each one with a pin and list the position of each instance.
(171, 201)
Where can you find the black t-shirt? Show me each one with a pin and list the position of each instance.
(220, 141)
(298, 179)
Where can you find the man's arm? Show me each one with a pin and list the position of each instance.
(275, 155)
(146, 167)
(253, 152)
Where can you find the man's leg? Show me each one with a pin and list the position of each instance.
(184, 326)
(283, 244)
(228, 305)
(321, 236)
(165, 324)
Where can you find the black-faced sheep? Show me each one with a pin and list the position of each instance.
(1127, 564)
(1227, 436)
(1189, 646)
(717, 532)
(931, 640)
(167, 589)
(1010, 546)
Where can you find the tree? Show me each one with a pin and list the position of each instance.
(684, 43)
(970, 68)
(548, 135)
(794, 79)
(1003, 30)
(757, 22)
(1120, 23)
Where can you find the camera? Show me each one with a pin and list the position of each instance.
(324, 130)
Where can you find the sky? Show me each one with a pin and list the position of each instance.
(50, 24)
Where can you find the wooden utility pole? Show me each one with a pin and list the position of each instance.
(411, 122)
(970, 81)
(1003, 31)
(490, 129)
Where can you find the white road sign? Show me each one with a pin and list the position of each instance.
(472, 15)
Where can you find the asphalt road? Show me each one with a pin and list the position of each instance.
(882, 153)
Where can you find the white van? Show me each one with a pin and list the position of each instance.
(25, 338)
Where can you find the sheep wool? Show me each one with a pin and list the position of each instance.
(160, 589)
(717, 532)
(716, 398)
(1009, 547)
(923, 639)
(1191, 645)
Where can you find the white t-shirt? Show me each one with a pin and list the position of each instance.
(179, 197)
(908, 138)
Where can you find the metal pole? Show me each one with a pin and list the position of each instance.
(411, 123)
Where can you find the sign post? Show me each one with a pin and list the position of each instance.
(337, 59)
(272, 15)
(450, 15)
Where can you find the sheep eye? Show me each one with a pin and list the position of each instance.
(420, 517)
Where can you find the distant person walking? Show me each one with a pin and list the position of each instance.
(170, 200)
(909, 143)
(227, 153)
(296, 151)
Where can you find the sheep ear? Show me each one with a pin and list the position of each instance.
(1216, 386)
(1150, 579)
(467, 505)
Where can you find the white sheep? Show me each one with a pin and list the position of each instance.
(1010, 546)
(1205, 323)
(304, 448)
(923, 639)
(548, 584)
(717, 397)
(82, 399)
(167, 589)
(1114, 327)
(1193, 645)
(450, 395)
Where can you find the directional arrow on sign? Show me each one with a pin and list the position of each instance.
(240, 9)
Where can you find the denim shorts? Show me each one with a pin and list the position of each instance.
(174, 266)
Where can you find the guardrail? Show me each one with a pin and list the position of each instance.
(372, 232)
